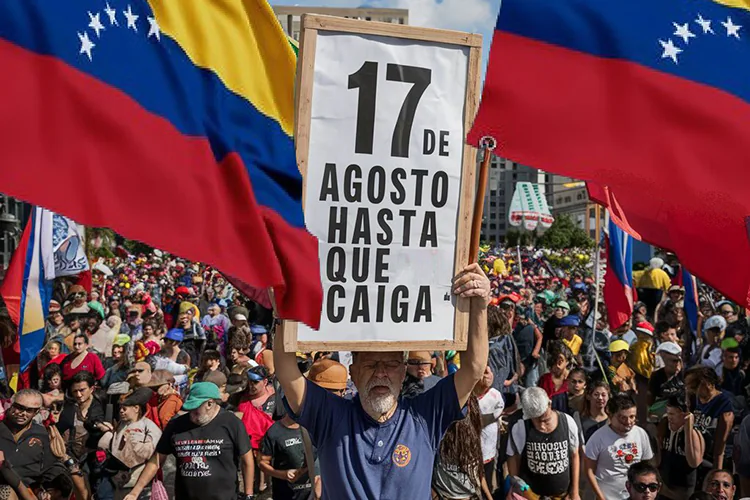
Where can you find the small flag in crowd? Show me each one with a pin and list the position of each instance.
(26, 291)
(691, 298)
(648, 99)
(135, 115)
(619, 292)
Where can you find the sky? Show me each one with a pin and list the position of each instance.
(474, 16)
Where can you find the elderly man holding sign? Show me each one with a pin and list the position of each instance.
(378, 445)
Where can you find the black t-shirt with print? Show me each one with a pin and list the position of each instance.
(287, 451)
(208, 456)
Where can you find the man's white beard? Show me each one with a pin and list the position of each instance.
(379, 405)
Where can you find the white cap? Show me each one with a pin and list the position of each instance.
(240, 317)
(669, 348)
(715, 322)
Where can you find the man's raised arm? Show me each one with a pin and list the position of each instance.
(287, 373)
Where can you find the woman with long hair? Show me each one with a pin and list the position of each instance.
(81, 360)
(594, 412)
(459, 471)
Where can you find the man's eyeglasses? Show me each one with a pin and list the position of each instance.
(418, 362)
(25, 409)
(79, 294)
(728, 312)
(642, 487)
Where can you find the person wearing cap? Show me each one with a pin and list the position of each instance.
(130, 446)
(560, 309)
(172, 350)
(728, 311)
(419, 377)
(714, 328)
(568, 326)
(621, 377)
(259, 392)
(75, 301)
(54, 320)
(653, 284)
(166, 400)
(330, 375)
(543, 448)
(729, 371)
(667, 381)
(641, 360)
(210, 444)
(379, 445)
(613, 448)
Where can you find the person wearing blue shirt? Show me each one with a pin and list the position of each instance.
(378, 445)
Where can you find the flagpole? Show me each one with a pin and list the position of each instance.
(520, 265)
(597, 286)
(488, 145)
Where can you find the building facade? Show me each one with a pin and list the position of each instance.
(290, 17)
(501, 184)
(12, 216)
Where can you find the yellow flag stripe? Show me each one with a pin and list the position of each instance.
(243, 43)
(740, 4)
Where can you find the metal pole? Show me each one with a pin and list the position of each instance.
(597, 292)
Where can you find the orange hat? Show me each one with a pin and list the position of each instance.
(328, 374)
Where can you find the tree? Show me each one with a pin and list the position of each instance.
(564, 234)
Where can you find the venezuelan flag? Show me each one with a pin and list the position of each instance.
(168, 121)
(650, 98)
(27, 293)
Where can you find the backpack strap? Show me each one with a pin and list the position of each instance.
(309, 460)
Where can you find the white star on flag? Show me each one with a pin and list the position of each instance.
(670, 50)
(732, 29)
(153, 28)
(705, 24)
(682, 31)
(95, 23)
(131, 18)
(112, 13)
(86, 44)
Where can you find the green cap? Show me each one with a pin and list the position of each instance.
(563, 305)
(121, 339)
(200, 392)
(96, 306)
(729, 343)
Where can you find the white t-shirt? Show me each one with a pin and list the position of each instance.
(714, 357)
(518, 435)
(614, 454)
(492, 403)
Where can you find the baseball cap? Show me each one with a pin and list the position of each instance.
(669, 348)
(715, 322)
(571, 320)
(645, 327)
(257, 373)
(201, 392)
(619, 345)
(175, 334)
(138, 397)
(240, 317)
(420, 355)
(237, 382)
(562, 304)
(328, 374)
(54, 306)
(258, 329)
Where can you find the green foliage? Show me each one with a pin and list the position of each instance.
(515, 237)
(564, 234)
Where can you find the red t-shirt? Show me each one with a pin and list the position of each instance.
(546, 383)
(91, 363)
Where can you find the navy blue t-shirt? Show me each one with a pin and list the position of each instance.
(361, 458)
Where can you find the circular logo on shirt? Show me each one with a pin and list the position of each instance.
(401, 456)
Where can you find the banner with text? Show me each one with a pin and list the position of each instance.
(383, 182)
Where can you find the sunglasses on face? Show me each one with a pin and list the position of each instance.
(417, 362)
(642, 487)
(24, 409)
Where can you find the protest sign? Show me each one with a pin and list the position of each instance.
(382, 114)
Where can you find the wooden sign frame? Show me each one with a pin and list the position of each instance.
(311, 25)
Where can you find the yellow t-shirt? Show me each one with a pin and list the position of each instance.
(655, 279)
(574, 344)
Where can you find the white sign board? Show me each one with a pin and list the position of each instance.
(383, 185)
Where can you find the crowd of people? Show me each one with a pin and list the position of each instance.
(157, 358)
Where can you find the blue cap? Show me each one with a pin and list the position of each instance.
(175, 334)
(223, 303)
(570, 320)
(258, 329)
